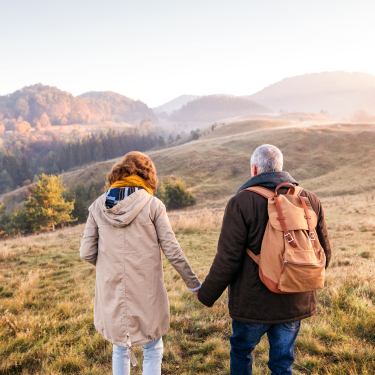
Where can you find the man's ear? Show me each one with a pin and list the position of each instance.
(254, 170)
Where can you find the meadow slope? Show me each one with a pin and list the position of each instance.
(46, 291)
(328, 159)
(46, 303)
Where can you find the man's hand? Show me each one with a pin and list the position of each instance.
(196, 296)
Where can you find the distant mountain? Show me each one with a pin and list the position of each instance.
(49, 105)
(341, 93)
(116, 107)
(175, 104)
(216, 107)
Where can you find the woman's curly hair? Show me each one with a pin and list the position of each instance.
(137, 163)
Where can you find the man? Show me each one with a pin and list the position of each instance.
(254, 309)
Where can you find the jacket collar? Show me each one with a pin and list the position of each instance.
(268, 180)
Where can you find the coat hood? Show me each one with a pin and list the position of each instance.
(268, 180)
(125, 211)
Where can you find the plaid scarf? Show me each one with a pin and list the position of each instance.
(116, 195)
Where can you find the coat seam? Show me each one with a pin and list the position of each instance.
(136, 343)
(125, 289)
(277, 321)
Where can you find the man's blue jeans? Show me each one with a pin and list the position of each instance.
(247, 335)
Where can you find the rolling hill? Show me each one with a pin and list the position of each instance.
(341, 93)
(175, 104)
(330, 160)
(49, 105)
(116, 107)
(216, 107)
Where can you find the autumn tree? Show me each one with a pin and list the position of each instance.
(22, 107)
(46, 206)
(44, 120)
(22, 127)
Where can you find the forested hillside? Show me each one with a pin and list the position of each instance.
(214, 107)
(40, 105)
(21, 161)
(115, 107)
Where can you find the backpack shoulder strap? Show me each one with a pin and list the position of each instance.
(262, 191)
(255, 258)
(297, 191)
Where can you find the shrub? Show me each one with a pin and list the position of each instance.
(174, 195)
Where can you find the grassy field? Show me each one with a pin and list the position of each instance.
(46, 303)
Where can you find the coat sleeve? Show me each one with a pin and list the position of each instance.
(172, 250)
(321, 228)
(89, 245)
(229, 257)
(322, 232)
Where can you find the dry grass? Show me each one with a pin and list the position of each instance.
(46, 304)
(196, 221)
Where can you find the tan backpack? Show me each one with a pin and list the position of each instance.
(291, 258)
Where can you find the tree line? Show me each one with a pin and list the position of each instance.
(49, 205)
(20, 162)
(103, 147)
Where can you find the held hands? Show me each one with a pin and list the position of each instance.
(196, 296)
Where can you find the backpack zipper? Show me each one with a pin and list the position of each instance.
(301, 264)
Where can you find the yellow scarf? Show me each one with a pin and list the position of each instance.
(133, 181)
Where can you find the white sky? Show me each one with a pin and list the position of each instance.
(156, 50)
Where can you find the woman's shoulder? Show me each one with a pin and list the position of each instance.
(98, 203)
(156, 203)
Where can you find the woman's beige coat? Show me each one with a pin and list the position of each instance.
(124, 244)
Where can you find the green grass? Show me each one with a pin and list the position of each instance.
(46, 304)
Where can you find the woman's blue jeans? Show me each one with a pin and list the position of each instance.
(152, 353)
(247, 335)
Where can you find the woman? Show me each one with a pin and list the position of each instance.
(124, 232)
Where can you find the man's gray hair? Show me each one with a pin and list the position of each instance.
(267, 158)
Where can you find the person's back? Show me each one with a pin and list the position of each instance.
(254, 309)
(122, 238)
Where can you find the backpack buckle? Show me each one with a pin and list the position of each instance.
(312, 236)
(290, 236)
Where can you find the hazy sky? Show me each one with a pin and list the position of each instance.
(156, 50)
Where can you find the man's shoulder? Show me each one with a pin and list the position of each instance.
(245, 199)
(314, 200)
(309, 194)
(244, 195)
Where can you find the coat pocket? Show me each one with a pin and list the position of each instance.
(302, 271)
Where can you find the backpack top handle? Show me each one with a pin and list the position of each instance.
(290, 191)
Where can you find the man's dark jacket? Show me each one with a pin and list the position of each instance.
(244, 224)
